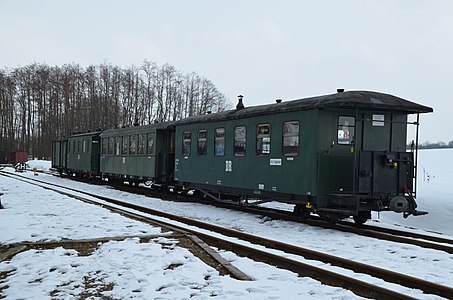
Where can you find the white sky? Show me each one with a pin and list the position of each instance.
(261, 49)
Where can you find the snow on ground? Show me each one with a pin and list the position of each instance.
(24, 203)
(121, 269)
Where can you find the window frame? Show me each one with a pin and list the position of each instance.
(150, 149)
(186, 143)
(202, 140)
(219, 141)
(111, 146)
(289, 134)
(118, 145)
(133, 144)
(104, 146)
(241, 138)
(141, 144)
(125, 145)
(260, 140)
(342, 127)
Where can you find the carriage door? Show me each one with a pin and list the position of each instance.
(166, 156)
(375, 172)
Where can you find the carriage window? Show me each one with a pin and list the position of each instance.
(150, 145)
(104, 146)
(346, 128)
(290, 138)
(186, 141)
(263, 139)
(84, 146)
(111, 143)
(202, 142)
(219, 143)
(118, 145)
(132, 145)
(125, 145)
(240, 133)
(141, 144)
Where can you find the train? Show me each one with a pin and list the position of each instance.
(339, 155)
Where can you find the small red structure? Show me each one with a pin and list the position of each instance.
(18, 157)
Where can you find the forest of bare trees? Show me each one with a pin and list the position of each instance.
(40, 103)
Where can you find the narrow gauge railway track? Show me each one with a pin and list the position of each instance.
(399, 236)
(327, 277)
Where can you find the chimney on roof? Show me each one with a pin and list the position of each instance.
(340, 90)
(278, 100)
(240, 105)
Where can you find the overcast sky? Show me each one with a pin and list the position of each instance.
(261, 49)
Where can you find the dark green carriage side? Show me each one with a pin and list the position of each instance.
(263, 174)
(83, 153)
(141, 153)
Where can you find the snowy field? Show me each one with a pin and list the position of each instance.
(142, 270)
(434, 194)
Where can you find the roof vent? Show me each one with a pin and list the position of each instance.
(240, 105)
(340, 90)
(278, 100)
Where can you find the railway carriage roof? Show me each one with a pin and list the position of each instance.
(136, 129)
(344, 100)
(83, 134)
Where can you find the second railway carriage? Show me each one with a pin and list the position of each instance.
(138, 154)
(339, 155)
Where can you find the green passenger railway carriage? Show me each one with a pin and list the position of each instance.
(338, 155)
(138, 154)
